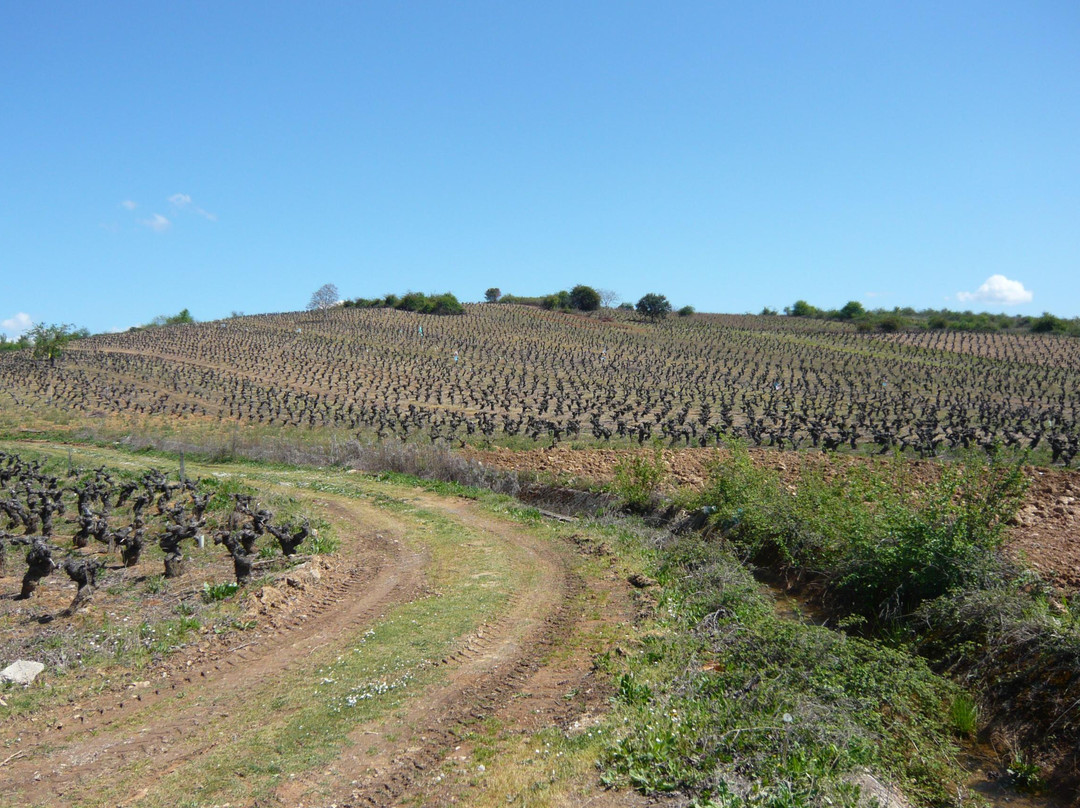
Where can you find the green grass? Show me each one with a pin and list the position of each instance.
(724, 701)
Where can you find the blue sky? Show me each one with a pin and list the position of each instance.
(236, 156)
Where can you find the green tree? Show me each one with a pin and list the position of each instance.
(1047, 324)
(851, 310)
(801, 309)
(558, 301)
(51, 340)
(584, 298)
(493, 294)
(653, 306)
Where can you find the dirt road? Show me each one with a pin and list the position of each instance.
(180, 735)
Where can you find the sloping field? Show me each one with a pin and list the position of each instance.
(516, 374)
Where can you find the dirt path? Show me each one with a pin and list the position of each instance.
(139, 736)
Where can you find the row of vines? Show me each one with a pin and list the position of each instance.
(80, 523)
(517, 372)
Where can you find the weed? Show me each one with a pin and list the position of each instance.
(721, 688)
(221, 591)
(1024, 775)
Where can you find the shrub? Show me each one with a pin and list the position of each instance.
(880, 550)
(638, 478)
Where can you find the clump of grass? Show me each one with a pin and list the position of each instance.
(964, 714)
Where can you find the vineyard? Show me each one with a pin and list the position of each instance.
(210, 537)
(517, 375)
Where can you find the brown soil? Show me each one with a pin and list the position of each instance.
(1045, 536)
(145, 730)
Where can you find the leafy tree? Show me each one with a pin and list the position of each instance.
(323, 298)
(851, 310)
(685, 311)
(559, 300)
(51, 340)
(14, 345)
(767, 312)
(653, 306)
(1047, 324)
(493, 294)
(801, 309)
(182, 318)
(584, 298)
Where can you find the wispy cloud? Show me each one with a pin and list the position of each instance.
(998, 290)
(184, 201)
(127, 204)
(18, 325)
(157, 223)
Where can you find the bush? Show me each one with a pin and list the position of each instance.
(686, 311)
(417, 302)
(724, 692)
(638, 478)
(880, 550)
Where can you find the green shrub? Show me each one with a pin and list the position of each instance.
(881, 550)
(723, 693)
(638, 478)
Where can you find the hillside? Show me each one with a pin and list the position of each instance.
(513, 374)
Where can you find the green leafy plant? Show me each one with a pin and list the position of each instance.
(638, 478)
(221, 591)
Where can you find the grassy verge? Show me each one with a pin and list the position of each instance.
(917, 567)
(725, 702)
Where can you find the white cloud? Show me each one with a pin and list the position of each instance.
(999, 290)
(18, 325)
(157, 223)
(127, 204)
(184, 201)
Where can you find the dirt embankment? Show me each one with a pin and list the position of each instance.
(1045, 536)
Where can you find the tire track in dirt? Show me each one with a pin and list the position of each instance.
(96, 743)
(502, 664)
(482, 677)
